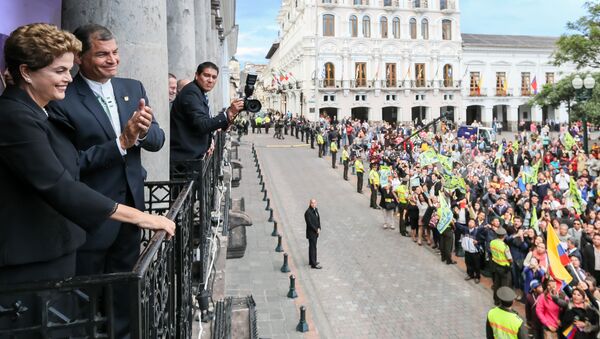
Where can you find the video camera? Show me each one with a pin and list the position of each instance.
(250, 105)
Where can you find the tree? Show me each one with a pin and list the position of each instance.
(583, 47)
(554, 95)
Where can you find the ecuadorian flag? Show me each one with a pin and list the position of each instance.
(570, 332)
(556, 257)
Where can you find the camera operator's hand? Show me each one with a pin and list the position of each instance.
(236, 107)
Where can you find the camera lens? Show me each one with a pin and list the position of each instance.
(252, 106)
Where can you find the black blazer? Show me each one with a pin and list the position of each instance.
(313, 223)
(589, 260)
(44, 210)
(191, 124)
(102, 166)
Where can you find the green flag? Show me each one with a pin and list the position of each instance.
(499, 153)
(515, 146)
(568, 141)
(533, 222)
(427, 158)
(575, 196)
(444, 213)
(445, 162)
(453, 182)
(536, 169)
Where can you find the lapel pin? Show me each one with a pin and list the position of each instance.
(126, 98)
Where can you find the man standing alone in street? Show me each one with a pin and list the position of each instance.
(313, 229)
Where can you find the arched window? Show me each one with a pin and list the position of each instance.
(366, 27)
(396, 28)
(384, 27)
(329, 75)
(413, 28)
(328, 25)
(446, 29)
(448, 75)
(353, 26)
(425, 29)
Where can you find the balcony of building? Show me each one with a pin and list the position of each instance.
(390, 84)
(362, 83)
(390, 5)
(449, 84)
(419, 5)
(329, 3)
(420, 84)
(330, 84)
(448, 6)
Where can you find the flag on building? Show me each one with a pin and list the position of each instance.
(534, 86)
(505, 85)
(555, 261)
(479, 84)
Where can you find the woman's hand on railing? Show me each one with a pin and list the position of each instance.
(157, 223)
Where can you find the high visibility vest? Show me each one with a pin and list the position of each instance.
(505, 325)
(333, 146)
(358, 165)
(258, 120)
(267, 120)
(402, 192)
(320, 139)
(373, 177)
(498, 248)
(344, 155)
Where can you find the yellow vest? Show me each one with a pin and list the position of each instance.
(333, 146)
(402, 193)
(374, 177)
(344, 155)
(258, 120)
(498, 248)
(320, 139)
(358, 165)
(505, 325)
(267, 120)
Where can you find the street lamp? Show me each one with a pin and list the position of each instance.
(583, 95)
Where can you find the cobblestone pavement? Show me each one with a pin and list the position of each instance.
(374, 283)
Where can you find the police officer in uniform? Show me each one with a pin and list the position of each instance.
(501, 261)
(320, 143)
(502, 321)
(345, 161)
(360, 170)
(333, 149)
(374, 185)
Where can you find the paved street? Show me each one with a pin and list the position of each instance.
(374, 284)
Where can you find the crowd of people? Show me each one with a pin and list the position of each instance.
(492, 202)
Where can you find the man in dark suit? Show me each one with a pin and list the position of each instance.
(192, 123)
(313, 229)
(111, 123)
(590, 254)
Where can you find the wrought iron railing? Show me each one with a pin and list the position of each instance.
(160, 304)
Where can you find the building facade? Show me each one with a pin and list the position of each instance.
(403, 60)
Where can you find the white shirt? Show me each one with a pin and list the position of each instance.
(106, 96)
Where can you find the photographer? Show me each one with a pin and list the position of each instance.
(192, 123)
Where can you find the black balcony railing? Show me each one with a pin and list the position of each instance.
(162, 284)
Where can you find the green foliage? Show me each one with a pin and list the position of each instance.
(583, 46)
(554, 95)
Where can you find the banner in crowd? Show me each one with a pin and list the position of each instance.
(555, 259)
(444, 213)
(568, 140)
(575, 196)
(427, 158)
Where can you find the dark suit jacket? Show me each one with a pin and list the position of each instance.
(41, 204)
(589, 261)
(191, 125)
(102, 166)
(313, 223)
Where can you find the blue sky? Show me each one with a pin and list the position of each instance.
(258, 28)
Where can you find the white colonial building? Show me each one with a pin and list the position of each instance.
(401, 60)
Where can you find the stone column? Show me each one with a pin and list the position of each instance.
(202, 28)
(513, 118)
(141, 34)
(536, 113)
(181, 38)
(487, 115)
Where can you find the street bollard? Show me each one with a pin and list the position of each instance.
(265, 196)
(270, 215)
(279, 247)
(263, 187)
(268, 204)
(285, 268)
(292, 292)
(274, 233)
(302, 325)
